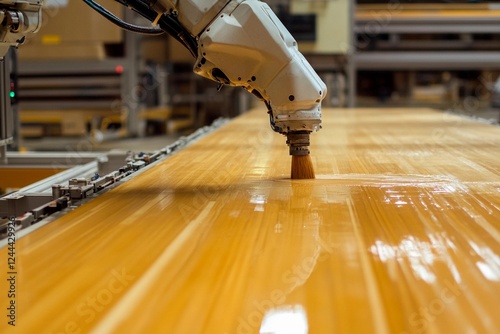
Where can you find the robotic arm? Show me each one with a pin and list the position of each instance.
(243, 43)
(246, 45)
(17, 20)
(235, 42)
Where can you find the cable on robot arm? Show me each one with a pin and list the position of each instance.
(124, 25)
(167, 23)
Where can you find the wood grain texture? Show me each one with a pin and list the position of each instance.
(398, 233)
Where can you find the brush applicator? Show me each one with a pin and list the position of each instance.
(302, 166)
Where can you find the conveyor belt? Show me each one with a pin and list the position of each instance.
(399, 233)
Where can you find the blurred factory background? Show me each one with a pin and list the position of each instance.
(83, 84)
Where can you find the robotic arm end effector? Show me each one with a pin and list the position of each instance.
(295, 104)
(247, 45)
(243, 43)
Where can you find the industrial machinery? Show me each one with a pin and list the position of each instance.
(236, 43)
(242, 43)
(18, 19)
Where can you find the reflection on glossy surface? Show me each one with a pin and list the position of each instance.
(399, 233)
(285, 320)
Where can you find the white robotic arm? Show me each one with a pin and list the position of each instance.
(243, 43)
(236, 42)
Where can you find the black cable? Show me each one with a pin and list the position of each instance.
(140, 7)
(124, 25)
(167, 23)
(180, 34)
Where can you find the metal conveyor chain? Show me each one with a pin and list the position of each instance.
(26, 209)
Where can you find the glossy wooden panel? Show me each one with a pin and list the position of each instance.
(399, 233)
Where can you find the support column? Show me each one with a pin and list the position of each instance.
(5, 108)
(130, 94)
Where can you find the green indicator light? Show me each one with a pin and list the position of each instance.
(12, 94)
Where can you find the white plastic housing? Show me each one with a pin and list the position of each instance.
(195, 15)
(252, 48)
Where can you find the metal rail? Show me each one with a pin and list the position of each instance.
(69, 189)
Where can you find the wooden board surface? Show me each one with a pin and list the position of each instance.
(399, 233)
